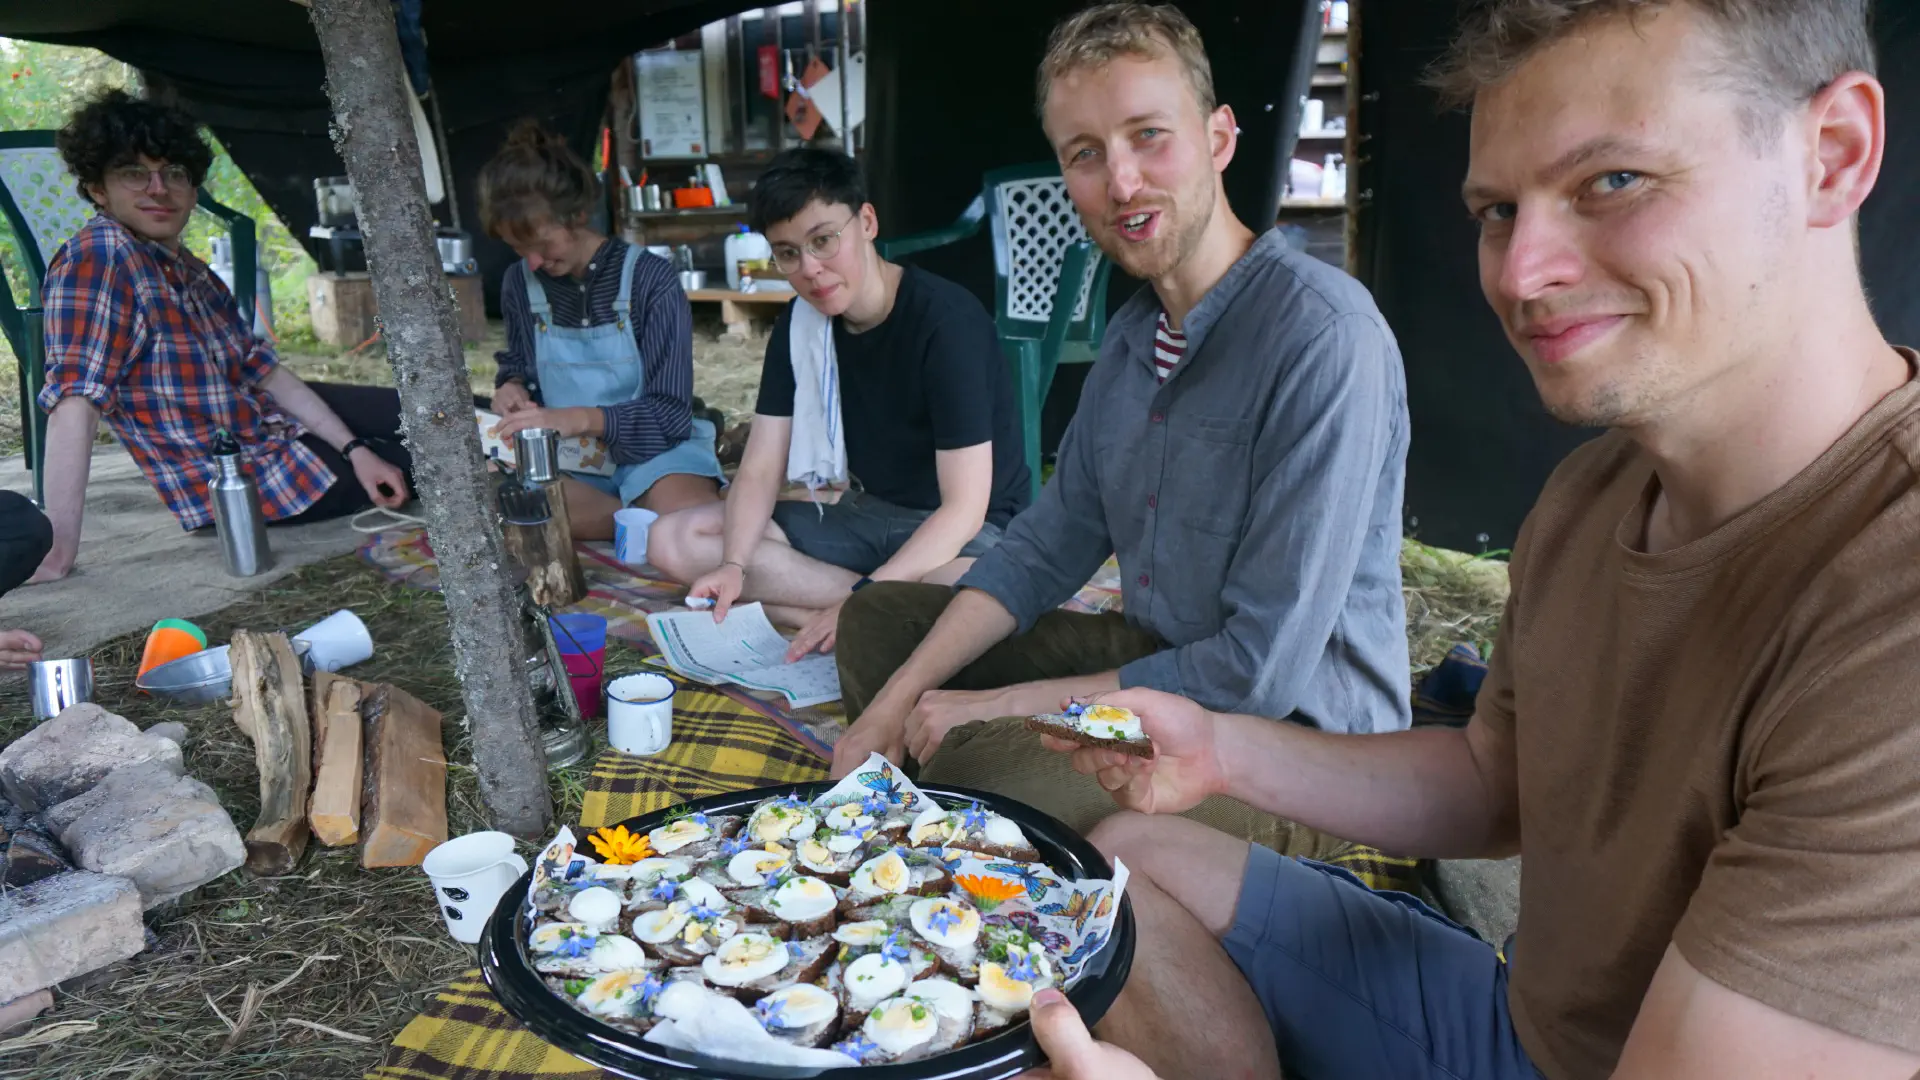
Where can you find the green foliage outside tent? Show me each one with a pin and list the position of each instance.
(41, 84)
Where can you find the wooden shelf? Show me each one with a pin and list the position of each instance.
(1293, 202)
(1329, 80)
(1340, 33)
(736, 210)
(1323, 135)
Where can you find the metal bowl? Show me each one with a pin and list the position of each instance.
(205, 676)
(693, 280)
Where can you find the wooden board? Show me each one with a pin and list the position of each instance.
(334, 810)
(404, 802)
(270, 704)
(772, 299)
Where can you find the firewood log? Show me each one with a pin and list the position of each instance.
(334, 811)
(270, 704)
(404, 807)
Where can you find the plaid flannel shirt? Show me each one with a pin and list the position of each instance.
(156, 342)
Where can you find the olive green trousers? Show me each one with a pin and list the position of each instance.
(882, 624)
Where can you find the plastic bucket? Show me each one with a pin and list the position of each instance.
(582, 637)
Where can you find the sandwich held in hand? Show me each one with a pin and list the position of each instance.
(1108, 727)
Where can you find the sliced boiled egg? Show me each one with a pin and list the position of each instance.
(815, 856)
(614, 993)
(648, 871)
(900, 1025)
(933, 826)
(1003, 832)
(863, 935)
(1002, 991)
(949, 924)
(743, 958)
(803, 899)
(752, 866)
(659, 927)
(800, 1006)
(702, 894)
(549, 937)
(847, 817)
(886, 874)
(671, 838)
(842, 843)
(776, 821)
(948, 998)
(872, 979)
(612, 952)
(598, 907)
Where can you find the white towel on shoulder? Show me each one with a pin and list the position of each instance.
(816, 452)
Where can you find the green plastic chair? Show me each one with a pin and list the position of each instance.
(42, 209)
(1050, 281)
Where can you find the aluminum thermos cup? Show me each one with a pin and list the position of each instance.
(650, 198)
(536, 455)
(236, 510)
(60, 684)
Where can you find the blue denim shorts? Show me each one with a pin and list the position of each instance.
(1358, 982)
(861, 531)
(694, 457)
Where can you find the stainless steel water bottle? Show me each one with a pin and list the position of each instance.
(236, 510)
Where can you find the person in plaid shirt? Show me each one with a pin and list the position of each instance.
(142, 332)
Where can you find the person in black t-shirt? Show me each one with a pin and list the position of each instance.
(934, 459)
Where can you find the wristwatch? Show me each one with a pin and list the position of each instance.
(355, 444)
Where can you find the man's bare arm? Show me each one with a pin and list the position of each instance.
(1694, 1028)
(69, 451)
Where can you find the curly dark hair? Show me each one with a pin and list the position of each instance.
(116, 128)
(535, 178)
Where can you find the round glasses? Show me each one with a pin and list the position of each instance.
(786, 257)
(139, 177)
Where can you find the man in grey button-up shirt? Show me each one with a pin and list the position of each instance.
(1253, 498)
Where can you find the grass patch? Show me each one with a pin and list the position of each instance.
(1451, 598)
(352, 949)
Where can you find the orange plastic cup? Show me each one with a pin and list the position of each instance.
(169, 640)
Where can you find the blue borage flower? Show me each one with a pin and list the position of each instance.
(893, 950)
(702, 913)
(857, 1046)
(775, 878)
(648, 989)
(699, 818)
(732, 846)
(666, 889)
(771, 1013)
(873, 805)
(575, 946)
(1076, 709)
(790, 801)
(973, 817)
(1020, 966)
(943, 920)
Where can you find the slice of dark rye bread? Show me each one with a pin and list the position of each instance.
(1136, 747)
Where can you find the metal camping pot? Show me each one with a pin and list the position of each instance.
(650, 198)
(536, 455)
(60, 684)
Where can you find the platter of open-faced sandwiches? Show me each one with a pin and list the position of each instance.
(869, 928)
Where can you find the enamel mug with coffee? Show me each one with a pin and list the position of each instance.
(469, 874)
(640, 714)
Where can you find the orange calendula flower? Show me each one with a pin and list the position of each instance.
(989, 892)
(619, 847)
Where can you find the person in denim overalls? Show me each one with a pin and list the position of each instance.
(599, 340)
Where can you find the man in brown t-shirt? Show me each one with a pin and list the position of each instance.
(1699, 723)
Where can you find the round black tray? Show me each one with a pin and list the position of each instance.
(510, 974)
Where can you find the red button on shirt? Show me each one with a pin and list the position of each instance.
(1144, 579)
(1157, 417)
(1153, 502)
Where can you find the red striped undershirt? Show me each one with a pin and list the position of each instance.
(1169, 345)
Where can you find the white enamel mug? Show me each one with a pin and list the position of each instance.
(630, 527)
(469, 873)
(640, 714)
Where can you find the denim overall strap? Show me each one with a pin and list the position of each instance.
(589, 365)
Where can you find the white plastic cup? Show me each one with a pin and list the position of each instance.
(1313, 116)
(339, 640)
(469, 874)
(640, 714)
(630, 527)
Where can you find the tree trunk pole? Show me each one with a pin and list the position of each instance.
(373, 131)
